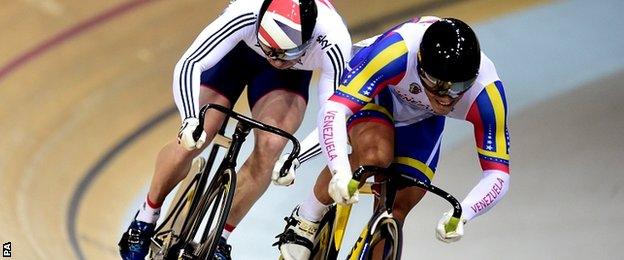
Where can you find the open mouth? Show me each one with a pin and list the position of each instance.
(445, 103)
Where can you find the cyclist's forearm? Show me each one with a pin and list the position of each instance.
(489, 191)
(333, 135)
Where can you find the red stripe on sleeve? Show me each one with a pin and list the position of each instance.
(475, 118)
(353, 106)
(369, 119)
(489, 165)
(384, 84)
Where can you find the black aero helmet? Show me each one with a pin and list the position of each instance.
(449, 51)
(285, 27)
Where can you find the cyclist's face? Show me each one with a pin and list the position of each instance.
(282, 64)
(278, 58)
(441, 105)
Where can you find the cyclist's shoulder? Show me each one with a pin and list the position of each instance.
(409, 32)
(487, 71)
(414, 28)
(243, 6)
(330, 28)
(488, 78)
(487, 92)
(327, 13)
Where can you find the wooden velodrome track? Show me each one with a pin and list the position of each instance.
(77, 80)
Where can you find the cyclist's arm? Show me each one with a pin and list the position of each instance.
(488, 114)
(210, 46)
(310, 147)
(384, 64)
(335, 52)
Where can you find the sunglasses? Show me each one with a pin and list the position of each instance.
(286, 55)
(444, 88)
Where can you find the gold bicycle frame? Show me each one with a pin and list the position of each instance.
(342, 218)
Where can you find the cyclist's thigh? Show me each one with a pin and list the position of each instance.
(223, 83)
(279, 97)
(227, 78)
(371, 132)
(417, 148)
(416, 154)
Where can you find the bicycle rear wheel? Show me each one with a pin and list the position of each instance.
(219, 201)
(387, 236)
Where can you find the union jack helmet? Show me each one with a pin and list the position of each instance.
(285, 27)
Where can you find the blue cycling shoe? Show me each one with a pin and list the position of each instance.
(222, 252)
(134, 243)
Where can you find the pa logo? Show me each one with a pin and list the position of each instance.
(6, 249)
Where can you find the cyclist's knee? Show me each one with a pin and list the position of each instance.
(400, 213)
(405, 201)
(374, 156)
(174, 153)
(186, 155)
(268, 147)
(402, 208)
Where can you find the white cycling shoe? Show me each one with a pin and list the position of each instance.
(295, 243)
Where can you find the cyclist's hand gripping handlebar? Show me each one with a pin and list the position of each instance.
(191, 135)
(283, 175)
(450, 228)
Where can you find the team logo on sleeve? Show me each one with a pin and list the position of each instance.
(322, 40)
(414, 88)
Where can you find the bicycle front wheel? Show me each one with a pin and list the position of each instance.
(167, 234)
(386, 241)
(218, 208)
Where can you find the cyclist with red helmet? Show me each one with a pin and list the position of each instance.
(270, 46)
(391, 106)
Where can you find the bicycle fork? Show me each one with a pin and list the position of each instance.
(384, 209)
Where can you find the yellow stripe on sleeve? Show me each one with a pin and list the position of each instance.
(500, 155)
(378, 108)
(499, 113)
(382, 59)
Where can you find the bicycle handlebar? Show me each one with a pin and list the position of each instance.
(406, 180)
(252, 123)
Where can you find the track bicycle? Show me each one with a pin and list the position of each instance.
(199, 203)
(382, 228)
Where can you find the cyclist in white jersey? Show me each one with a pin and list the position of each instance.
(270, 46)
(391, 108)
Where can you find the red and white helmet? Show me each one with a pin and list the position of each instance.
(285, 27)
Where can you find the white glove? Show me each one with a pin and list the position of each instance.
(451, 235)
(290, 176)
(185, 136)
(339, 188)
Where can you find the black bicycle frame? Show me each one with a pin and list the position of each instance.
(243, 128)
